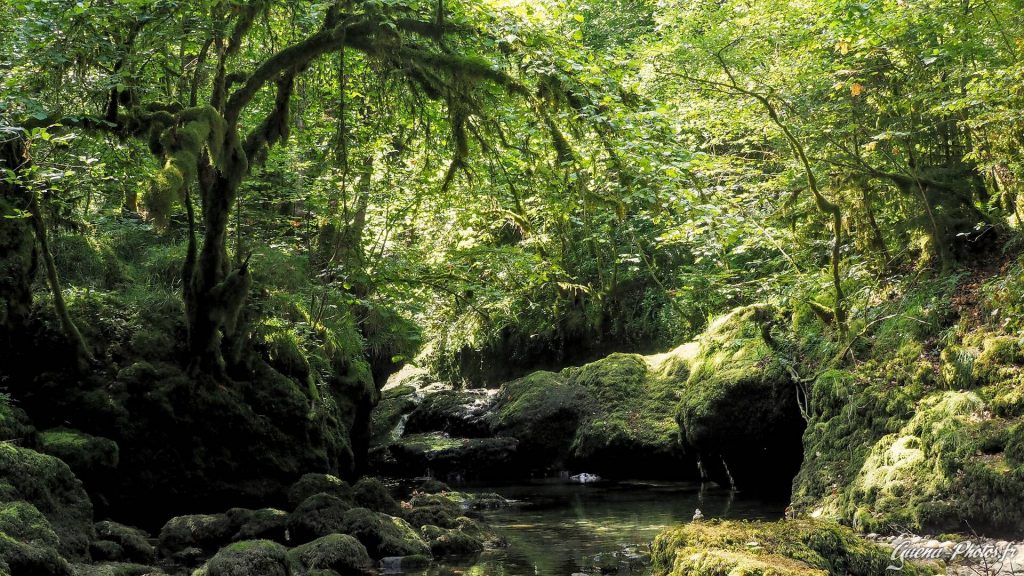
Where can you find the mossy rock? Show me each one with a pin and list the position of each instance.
(1000, 359)
(262, 524)
(28, 544)
(50, 486)
(248, 558)
(373, 494)
(316, 483)
(740, 410)
(132, 543)
(317, 516)
(115, 569)
(15, 425)
(448, 542)
(439, 453)
(628, 415)
(207, 532)
(338, 552)
(456, 412)
(431, 486)
(383, 535)
(789, 548)
(542, 412)
(84, 453)
(433, 515)
(609, 416)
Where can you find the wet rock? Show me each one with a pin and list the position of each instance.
(383, 535)
(387, 421)
(338, 552)
(442, 454)
(448, 542)
(443, 516)
(318, 515)
(456, 412)
(248, 558)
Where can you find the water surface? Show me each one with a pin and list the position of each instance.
(560, 528)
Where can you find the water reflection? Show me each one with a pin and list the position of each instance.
(564, 529)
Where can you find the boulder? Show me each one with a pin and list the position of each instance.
(49, 485)
(314, 483)
(785, 548)
(371, 493)
(338, 552)
(383, 535)
(262, 524)
(132, 544)
(456, 412)
(740, 411)
(248, 558)
(318, 515)
(84, 453)
(207, 532)
(447, 542)
(28, 544)
(439, 453)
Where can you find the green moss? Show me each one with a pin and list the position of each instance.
(626, 407)
(205, 531)
(86, 261)
(49, 485)
(14, 423)
(383, 535)
(339, 552)
(133, 543)
(1000, 359)
(389, 414)
(247, 558)
(740, 409)
(371, 493)
(451, 542)
(28, 544)
(792, 548)
(317, 516)
(114, 569)
(82, 452)
(315, 483)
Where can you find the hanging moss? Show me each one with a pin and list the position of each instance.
(182, 143)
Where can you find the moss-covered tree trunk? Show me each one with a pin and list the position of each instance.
(22, 228)
(18, 256)
(214, 294)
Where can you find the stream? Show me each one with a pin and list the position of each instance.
(562, 528)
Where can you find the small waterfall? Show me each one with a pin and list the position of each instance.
(732, 483)
(391, 565)
(399, 428)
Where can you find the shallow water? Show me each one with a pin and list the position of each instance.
(561, 528)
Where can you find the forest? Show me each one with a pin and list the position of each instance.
(511, 287)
